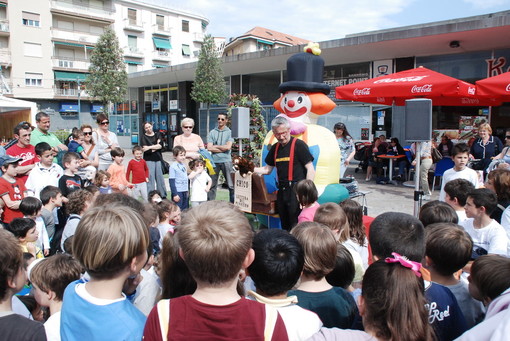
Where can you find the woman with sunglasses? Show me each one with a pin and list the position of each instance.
(105, 140)
(88, 168)
(151, 143)
(190, 141)
(504, 155)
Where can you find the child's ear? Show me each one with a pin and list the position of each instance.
(361, 305)
(428, 262)
(38, 157)
(181, 254)
(250, 256)
(51, 295)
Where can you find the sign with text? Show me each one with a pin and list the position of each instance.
(242, 192)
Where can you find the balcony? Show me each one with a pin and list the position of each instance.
(5, 57)
(4, 27)
(131, 51)
(70, 63)
(133, 25)
(198, 37)
(80, 36)
(70, 7)
(71, 93)
(162, 30)
(164, 55)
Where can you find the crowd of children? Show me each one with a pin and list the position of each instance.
(103, 265)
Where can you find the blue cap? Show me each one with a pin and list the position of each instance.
(6, 159)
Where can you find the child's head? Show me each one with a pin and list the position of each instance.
(499, 181)
(480, 202)
(178, 150)
(215, 240)
(94, 190)
(457, 191)
(154, 197)
(354, 212)
(319, 245)
(8, 164)
(117, 154)
(176, 279)
(397, 232)
(77, 135)
(437, 212)
(24, 229)
(79, 201)
(460, 155)
(168, 211)
(447, 248)
(279, 260)
(12, 273)
(490, 276)
(41, 148)
(196, 164)
(51, 276)
(150, 215)
(33, 307)
(137, 152)
(306, 192)
(30, 207)
(392, 301)
(102, 178)
(334, 217)
(50, 193)
(460, 148)
(70, 160)
(344, 271)
(111, 242)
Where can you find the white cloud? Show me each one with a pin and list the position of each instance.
(486, 4)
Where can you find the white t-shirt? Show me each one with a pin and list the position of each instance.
(451, 174)
(462, 216)
(492, 237)
(198, 185)
(52, 327)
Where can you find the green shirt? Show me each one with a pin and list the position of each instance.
(38, 136)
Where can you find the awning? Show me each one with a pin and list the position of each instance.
(70, 76)
(265, 42)
(2, 4)
(68, 44)
(68, 107)
(96, 108)
(185, 50)
(159, 65)
(132, 62)
(162, 43)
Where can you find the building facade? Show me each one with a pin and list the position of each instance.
(467, 48)
(45, 49)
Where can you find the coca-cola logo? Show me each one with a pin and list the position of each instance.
(400, 80)
(361, 92)
(471, 91)
(421, 89)
(507, 87)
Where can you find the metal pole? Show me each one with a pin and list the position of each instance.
(79, 102)
(417, 192)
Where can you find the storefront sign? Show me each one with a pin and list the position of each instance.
(242, 192)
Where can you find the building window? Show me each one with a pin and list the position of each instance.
(132, 68)
(160, 22)
(185, 50)
(32, 49)
(185, 26)
(31, 19)
(132, 43)
(33, 79)
(132, 16)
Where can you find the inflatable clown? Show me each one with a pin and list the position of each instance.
(304, 98)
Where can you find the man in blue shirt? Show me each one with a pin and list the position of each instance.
(219, 143)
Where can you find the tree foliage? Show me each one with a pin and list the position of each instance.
(108, 77)
(209, 84)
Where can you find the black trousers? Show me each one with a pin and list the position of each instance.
(288, 206)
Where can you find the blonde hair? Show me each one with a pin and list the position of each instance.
(186, 121)
(215, 239)
(320, 248)
(485, 126)
(108, 238)
(334, 217)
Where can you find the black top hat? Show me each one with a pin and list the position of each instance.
(304, 73)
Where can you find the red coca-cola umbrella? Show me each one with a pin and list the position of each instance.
(497, 87)
(415, 83)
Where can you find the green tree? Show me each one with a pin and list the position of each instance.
(108, 77)
(209, 84)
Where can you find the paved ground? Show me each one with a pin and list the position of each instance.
(382, 198)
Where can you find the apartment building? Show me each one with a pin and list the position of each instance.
(45, 49)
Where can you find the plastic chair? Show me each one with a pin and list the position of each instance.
(409, 156)
(441, 167)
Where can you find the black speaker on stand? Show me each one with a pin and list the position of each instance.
(240, 125)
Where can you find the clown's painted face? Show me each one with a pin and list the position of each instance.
(296, 103)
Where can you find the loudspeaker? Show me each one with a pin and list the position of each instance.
(418, 117)
(240, 123)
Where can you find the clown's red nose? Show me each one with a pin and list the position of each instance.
(291, 103)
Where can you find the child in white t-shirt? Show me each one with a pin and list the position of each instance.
(456, 192)
(460, 170)
(488, 236)
(200, 182)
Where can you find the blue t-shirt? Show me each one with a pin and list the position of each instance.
(82, 320)
(219, 138)
(178, 172)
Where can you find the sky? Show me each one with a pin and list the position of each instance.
(318, 20)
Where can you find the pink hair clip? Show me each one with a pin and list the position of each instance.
(415, 266)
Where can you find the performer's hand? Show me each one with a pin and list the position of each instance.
(176, 198)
